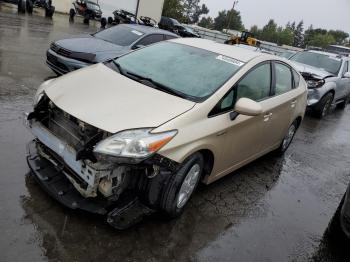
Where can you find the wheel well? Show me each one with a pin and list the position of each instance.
(330, 91)
(299, 119)
(208, 161)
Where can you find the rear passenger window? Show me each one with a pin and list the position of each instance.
(296, 78)
(284, 78)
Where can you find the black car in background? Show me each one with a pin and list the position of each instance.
(67, 55)
(29, 5)
(174, 26)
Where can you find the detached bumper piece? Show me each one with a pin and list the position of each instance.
(121, 215)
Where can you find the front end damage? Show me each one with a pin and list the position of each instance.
(62, 161)
(315, 87)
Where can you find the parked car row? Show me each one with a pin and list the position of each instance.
(152, 115)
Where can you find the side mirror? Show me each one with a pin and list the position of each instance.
(248, 107)
(347, 75)
(137, 47)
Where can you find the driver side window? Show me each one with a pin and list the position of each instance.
(255, 85)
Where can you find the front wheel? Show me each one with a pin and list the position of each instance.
(181, 185)
(71, 13)
(323, 107)
(287, 140)
(29, 6)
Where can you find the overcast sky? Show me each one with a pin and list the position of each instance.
(329, 14)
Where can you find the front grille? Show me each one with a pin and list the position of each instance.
(60, 50)
(53, 60)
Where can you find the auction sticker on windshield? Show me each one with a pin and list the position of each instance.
(229, 60)
(137, 32)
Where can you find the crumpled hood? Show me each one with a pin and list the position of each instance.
(302, 68)
(103, 98)
(89, 44)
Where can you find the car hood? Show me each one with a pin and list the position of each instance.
(303, 68)
(89, 44)
(103, 98)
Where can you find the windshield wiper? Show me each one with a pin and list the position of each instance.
(157, 85)
(120, 69)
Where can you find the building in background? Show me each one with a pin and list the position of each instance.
(150, 8)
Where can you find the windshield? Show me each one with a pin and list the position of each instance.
(93, 6)
(194, 72)
(119, 35)
(323, 61)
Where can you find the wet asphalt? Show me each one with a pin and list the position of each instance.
(274, 209)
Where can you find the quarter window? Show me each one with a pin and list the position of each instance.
(283, 79)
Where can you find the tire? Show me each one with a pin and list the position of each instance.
(323, 107)
(29, 6)
(343, 104)
(110, 20)
(49, 11)
(86, 19)
(103, 22)
(21, 6)
(287, 140)
(175, 195)
(71, 13)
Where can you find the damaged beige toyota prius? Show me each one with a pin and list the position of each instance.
(137, 134)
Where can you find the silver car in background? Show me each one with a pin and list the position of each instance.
(328, 79)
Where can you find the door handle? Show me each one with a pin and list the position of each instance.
(292, 104)
(267, 117)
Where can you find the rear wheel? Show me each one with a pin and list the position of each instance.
(29, 6)
(86, 19)
(49, 11)
(21, 6)
(343, 104)
(323, 107)
(287, 140)
(181, 185)
(71, 13)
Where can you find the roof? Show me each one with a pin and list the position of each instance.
(239, 53)
(148, 29)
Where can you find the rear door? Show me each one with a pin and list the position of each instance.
(280, 107)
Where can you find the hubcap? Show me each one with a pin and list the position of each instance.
(326, 107)
(188, 185)
(289, 137)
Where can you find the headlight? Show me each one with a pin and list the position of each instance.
(315, 83)
(40, 92)
(137, 143)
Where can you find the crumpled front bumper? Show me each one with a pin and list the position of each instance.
(52, 179)
(121, 215)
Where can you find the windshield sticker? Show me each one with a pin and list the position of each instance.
(137, 32)
(229, 60)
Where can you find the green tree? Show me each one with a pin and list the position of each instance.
(173, 9)
(193, 10)
(228, 20)
(269, 32)
(339, 36)
(299, 35)
(322, 40)
(206, 22)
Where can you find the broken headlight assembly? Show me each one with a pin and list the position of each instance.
(41, 91)
(132, 145)
(314, 83)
